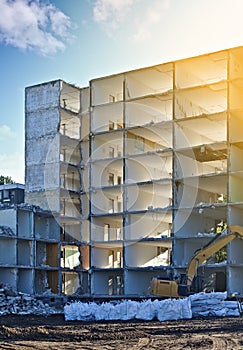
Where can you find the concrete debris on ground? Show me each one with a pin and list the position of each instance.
(12, 302)
(6, 230)
(197, 305)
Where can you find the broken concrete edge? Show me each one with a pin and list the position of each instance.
(29, 207)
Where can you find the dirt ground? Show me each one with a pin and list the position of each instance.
(53, 332)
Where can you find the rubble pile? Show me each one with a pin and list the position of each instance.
(12, 302)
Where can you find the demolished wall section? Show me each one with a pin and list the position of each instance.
(42, 144)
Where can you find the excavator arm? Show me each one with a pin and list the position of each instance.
(162, 286)
(208, 250)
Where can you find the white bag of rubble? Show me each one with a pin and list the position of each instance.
(212, 312)
(207, 296)
(174, 309)
(85, 311)
(103, 312)
(146, 310)
(231, 304)
(186, 310)
(168, 310)
(231, 308)
(115, 313)
(80, 311)
(70, 313)
(205, 304)
(128, 309)
(208, 304)
(232, 312)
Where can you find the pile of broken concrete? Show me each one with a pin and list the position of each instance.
(12, 302)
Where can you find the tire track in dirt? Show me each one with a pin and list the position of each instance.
(143, 343)
(53, 333)
(228, 343)
(219, 343)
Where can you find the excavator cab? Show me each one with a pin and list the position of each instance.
(164, 286)
(168, 288)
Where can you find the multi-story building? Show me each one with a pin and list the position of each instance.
(140, 169)
(11, 194)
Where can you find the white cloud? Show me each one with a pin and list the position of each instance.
(144, 16)
(33, 25)
(111, 12)
(12, 165)
(154, 14)
(6, 133)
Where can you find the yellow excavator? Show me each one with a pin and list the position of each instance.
(165, 287)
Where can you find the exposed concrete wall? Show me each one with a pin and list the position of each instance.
(141, 226)
(8, 252)
(9, 276)
(106, 258)
(107, 90)
(25, 281)
(71, 283)
(137, 282)
(42, 142)
(8, 218)
(235, 277)
(49, 200)
(25, 253)
(144, 111)
(85, 231)
(106, 283)
(46, 227)
(137, 255)
(107, 117)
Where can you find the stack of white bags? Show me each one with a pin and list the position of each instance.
(213, 304)
(201, 304)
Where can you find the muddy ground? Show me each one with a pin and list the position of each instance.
(53, 332)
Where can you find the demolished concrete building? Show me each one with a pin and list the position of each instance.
(139, 169)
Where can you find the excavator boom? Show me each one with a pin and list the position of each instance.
(161, 286)
(208, 250)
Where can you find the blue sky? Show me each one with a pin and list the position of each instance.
(78, 40)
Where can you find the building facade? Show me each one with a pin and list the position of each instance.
(29, 240)
(139, 170)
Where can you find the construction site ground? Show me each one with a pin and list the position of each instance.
(53, 332)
